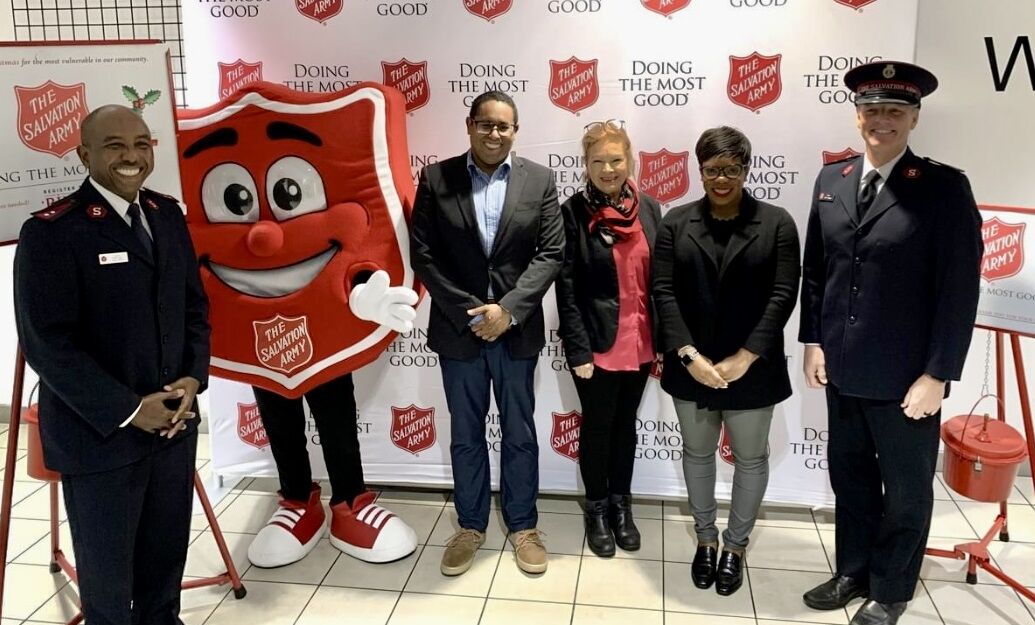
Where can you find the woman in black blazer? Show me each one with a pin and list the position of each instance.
(604, 303)
(726, 271)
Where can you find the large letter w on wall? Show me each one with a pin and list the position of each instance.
(1002, 80)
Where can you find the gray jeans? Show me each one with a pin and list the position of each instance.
(749, 440)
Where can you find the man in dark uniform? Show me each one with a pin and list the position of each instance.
(889, 295)
(111, 314)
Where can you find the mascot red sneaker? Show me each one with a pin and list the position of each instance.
(298, 205)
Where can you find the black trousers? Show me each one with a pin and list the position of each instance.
(333, 405)
(882, 466)
(607, 439)
(130, 530)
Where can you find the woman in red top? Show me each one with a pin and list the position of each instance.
(604, 303)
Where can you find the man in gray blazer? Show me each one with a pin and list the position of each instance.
(487, 243)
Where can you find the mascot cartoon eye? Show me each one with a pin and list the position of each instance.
(229, 196)
(294, 188)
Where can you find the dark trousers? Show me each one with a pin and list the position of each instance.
(467, 384)
(333, 405)
(607, 438)
(130, 529)
(882, 466)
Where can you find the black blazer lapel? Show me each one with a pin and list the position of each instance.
(459, 181)
(113, 227)
(846, 193)
(743, 237)
(887, 196)
(698, 231)
(515, 186)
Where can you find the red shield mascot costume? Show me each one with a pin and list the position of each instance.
(298, 205)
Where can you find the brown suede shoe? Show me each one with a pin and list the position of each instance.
(529, 550)
(460, 551)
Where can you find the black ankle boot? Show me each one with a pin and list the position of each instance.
(598, 531)
(620, 515)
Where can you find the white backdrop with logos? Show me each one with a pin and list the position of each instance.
(668, 69)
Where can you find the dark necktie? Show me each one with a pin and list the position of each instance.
(136, 222)
(867, 193)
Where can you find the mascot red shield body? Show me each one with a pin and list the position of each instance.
(298, 206)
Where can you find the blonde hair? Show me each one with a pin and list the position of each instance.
(607, 131)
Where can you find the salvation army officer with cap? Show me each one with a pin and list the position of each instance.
(890, 289)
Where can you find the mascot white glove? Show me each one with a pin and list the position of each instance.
(391, 306)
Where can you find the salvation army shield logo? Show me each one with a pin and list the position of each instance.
(665, 7)
(233, 76)
(754, 80)
(564, 438)
(665, 174)
(843, 155)
(573, 84)
(283, 343)
(319, 10)
(1004, 249)
(855, 4)
(488, 10)
(250, 429)
(410, 78)
(413, 428)
(49, 116)
(725, 450)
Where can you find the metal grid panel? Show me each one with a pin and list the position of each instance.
(67, 20)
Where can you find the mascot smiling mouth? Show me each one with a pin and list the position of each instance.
(275, 282)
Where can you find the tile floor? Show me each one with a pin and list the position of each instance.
(792, 549)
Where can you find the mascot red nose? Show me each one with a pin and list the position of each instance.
(298, 206)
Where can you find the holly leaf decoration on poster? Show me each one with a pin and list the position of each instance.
(140, 102)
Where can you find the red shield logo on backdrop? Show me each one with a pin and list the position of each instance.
(1004, 249)
(665, 7)
(656, 368)
(413, 428)
(249, 426)
(573, 84)
(233, 76)
(754, 80)
(49, 116)
(665, 175)
(283, 343)
(564, 438)
(411, 79)
(725, 451)
(487, 9)
(855, 4)
(845, 154)
(319, 10)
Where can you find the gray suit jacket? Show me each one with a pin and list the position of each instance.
(448, 258)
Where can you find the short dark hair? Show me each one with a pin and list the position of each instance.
(494, 96)
(723, 141)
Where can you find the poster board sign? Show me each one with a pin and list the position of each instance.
(47, 91)
(1007, 270)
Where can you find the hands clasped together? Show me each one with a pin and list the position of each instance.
(154, 416)
(495, 320)
(719, 375)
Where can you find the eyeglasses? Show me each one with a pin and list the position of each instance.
(729, 171)
(612, 124)
(484, 127)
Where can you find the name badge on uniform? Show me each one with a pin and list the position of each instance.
(113, 258)
(825, 197)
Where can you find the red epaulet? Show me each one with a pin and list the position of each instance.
(57, 209)
(161, 195)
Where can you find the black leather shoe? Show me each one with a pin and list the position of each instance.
(835, 593)
(702, 571)
(728, 574)
(877, 613)
(620, 514)
(598, 531)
